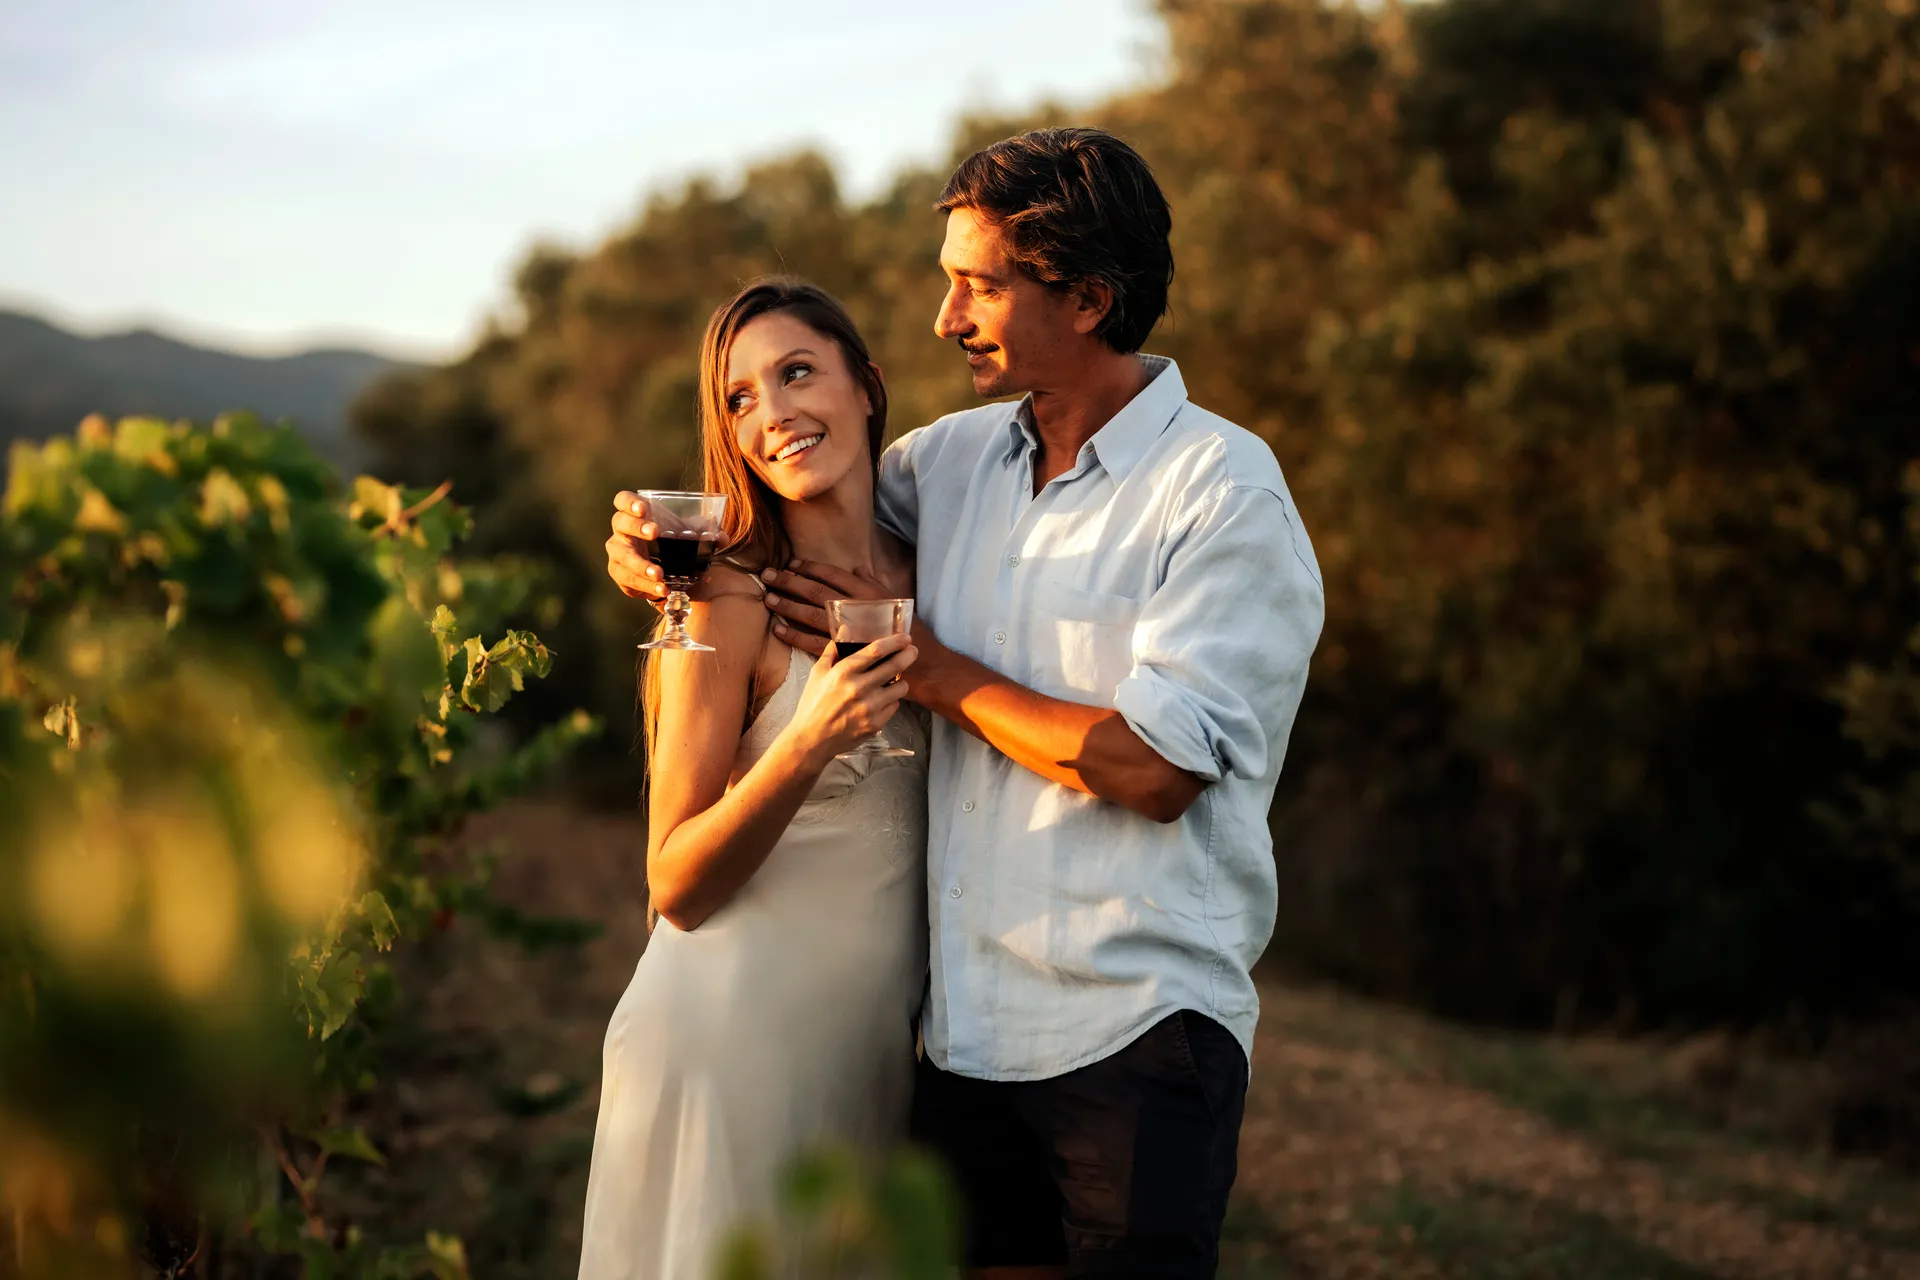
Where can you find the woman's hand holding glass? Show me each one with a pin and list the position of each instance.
(846, 702)
(688, 530)
(853, 626)
(632, 570)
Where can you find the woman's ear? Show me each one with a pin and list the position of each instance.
(878, 377)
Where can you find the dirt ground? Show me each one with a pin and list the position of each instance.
(1378, 1143)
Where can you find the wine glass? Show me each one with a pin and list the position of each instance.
(688, 529)
(853, 625)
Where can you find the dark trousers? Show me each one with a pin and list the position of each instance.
(1118, 1168)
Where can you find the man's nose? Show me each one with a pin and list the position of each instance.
(951, 320)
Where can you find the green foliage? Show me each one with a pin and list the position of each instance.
(1620, 504)
(1876, 820)
(236, 715)
(843, 1214)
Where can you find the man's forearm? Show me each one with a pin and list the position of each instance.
(1091, 749)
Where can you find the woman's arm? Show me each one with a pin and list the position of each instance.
(706, 841)
(1091, 749)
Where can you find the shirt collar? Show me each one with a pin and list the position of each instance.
(1124, 440)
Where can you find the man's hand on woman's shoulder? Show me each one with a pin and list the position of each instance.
(798, 597)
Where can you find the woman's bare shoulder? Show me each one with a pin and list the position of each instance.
(729, 614)
(728, 580)
(732, 617)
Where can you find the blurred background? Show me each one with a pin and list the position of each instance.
(1587, 333)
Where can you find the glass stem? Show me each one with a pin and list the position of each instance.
(677, 606)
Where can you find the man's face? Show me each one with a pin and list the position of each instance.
(1016, 332)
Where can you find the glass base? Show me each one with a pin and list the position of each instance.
(675, 611)
(678, 642)
(871, 750)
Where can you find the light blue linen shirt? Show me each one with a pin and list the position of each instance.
(1166, 574)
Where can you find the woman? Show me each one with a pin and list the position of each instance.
(773, 1007)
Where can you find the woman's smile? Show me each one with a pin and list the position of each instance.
(793, 448)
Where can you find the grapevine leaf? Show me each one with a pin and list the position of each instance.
(223, 500)
(144, 441)
(530, 657)
(373, 501)
(406, 655)
(496, 674)
(278, 1227)
(434, 734)
(61, 719)
(334, 985)
(915, 1203)
(475, 676)
(97, 515)
(440, 525)
(353, 1144)
(819, 1178)
(379, 917)
(745, 1255)
(448, 1257)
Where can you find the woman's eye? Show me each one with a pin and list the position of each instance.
(736, 402)
(798, 370)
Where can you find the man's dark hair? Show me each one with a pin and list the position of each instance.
(1077, 205)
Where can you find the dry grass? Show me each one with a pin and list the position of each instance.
(1378, 1143)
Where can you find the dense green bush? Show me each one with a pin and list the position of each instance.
(1617, 454)
(238, 710)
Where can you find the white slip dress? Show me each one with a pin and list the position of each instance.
(783, 1022)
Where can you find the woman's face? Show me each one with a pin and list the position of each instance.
(799, 415)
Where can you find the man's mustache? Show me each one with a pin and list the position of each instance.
(977, 348)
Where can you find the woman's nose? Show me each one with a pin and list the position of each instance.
(779, 410)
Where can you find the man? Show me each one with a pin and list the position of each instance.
(1118, 604)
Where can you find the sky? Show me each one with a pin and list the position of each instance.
(272, 174)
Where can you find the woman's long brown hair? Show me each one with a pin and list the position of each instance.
(754, 535)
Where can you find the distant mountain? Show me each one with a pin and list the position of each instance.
(50, 379)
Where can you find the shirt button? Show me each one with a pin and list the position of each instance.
(1013, 559)
(968, 806)
(999, 637)
(954, 892)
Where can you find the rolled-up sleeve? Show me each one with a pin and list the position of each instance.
(896, 503)
(1220, 650)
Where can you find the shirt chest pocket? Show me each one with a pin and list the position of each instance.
(1082, 642)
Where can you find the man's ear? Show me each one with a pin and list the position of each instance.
(1092, 299)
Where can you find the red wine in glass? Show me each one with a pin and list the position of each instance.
(844, 649)
(681, 557)
(855, 624)
(689, 526)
